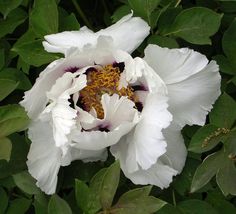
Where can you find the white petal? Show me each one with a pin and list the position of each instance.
(44, 158)
(146, 143)
(159, 174)
(35, 99)
(176, 151)
(133, 29)
(193, 86)
(174, 65)
(191, 99)
(89, 155)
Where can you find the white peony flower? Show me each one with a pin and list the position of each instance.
(99, 97)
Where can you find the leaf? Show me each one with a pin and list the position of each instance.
(169, 209)
(225, 64)
(226, 177)
(120, 12)
(2, 58)
(39, 17)
(69, 22)
(17, 76)
(7, 6)
(207, 170)
(19, 206)
(224, 112)
(138, 205)
(18, 158)
(229, 43)
(5, 148)
(26, 183)
(82, 194)
(145, 9)
(57, 205)
(13, 118)
(14, 19)
(7, 86)
(182, 183)
(135, 194)
(32, 53)
(163, 41)
(195, 206)
(40, 203)
(206, 138)
(109, 184)
(196, 25)
(3, 200)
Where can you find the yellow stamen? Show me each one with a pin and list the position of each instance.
(99, 82)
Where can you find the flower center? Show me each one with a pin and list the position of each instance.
(101, 81)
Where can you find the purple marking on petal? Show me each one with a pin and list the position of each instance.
(72, 69)
(90, 70)
(104, 128)
(139, 106)
(139, 88)
(120, 65)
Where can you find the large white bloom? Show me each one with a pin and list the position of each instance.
(99, 97)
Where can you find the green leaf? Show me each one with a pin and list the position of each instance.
(169, 209)
(40, 203)
(145, 9)
(225, 64)
(82, 194)
(224, 113)
(32, 52)
(229, 43)
(13, 118)
(39, 17)
(109, 184)
(19, 206)
(226, 177)
(7, 6)
(2, 58)
(206, 138)
(195, 206)
(18, 158)
(163, 41)
(69, 22)
(138, 205)
(17, 76)
(26, 183)
(3, 200)
(182, 183)
(57, 205)
(14, 19)
(7, 86)
(134, 194)
(196, 25)
(5, 148)
(207, 170)
(120, 12)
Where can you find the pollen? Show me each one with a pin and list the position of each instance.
(101, 81)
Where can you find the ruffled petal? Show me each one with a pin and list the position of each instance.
(133, 29)
(44, 158)
(62, 115)
(146, 142)
(119, 118)
(193, 85)
(159, 174)
(176, 151)
(35, 99)
(191, 100)
(174, 65)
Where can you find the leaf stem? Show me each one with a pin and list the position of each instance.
(173, 197)
(81, 13)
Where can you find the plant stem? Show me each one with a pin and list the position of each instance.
(81, 13)
(173, 197)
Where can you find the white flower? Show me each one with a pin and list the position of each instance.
(99, 97)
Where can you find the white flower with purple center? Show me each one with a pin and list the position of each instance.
(98, 97)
